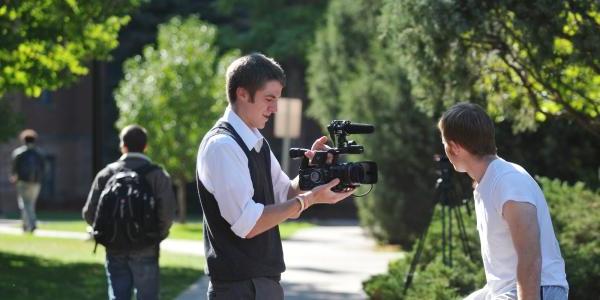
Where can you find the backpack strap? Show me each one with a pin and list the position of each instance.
(145, 169)
(142, 170)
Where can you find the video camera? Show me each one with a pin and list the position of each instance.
(351, 174)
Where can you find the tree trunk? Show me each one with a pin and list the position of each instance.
(181, 199)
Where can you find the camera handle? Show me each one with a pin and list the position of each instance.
(319, 159)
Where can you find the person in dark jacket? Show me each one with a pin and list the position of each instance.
(27, 173)
(134, 269)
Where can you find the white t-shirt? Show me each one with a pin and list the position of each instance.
(501, 182)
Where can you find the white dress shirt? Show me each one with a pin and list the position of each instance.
(222, 167)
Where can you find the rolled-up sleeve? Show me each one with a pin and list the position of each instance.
(247, 220)
(223, 169)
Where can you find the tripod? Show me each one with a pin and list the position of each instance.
(450, 205)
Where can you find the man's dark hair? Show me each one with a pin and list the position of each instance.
(469, 125)
(252, 72)
(28, 136)
(134, 137)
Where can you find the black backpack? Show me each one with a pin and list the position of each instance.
(30, 166)
(126, 215)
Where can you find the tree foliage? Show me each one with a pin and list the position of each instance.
(529, 60)
(176, 91)
(283, 29)
(46, 43)
(353, 75)
(543, 151)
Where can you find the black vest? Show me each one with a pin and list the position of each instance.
(228, 256)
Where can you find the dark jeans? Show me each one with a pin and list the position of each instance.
(261, 288)
(125, 272)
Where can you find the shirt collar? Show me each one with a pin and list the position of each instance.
(134, 155)
(251, 136)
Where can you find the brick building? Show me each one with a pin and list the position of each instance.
(63, 120)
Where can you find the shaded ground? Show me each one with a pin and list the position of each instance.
(329, 261)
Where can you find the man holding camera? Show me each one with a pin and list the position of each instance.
(243, 191)
(521, 256)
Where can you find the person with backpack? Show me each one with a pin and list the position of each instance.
(27, 173)
(131, 206)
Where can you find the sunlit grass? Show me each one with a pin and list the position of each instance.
(33, 267)
(67, 268)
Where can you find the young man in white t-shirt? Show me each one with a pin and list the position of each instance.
(520, 252)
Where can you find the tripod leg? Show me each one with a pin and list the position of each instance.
(463, 233)
(415, 260)
(450, 209)
(444, 257)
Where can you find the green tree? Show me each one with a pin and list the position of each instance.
(358, 77)
(176, 91)
(527, 60)
(283, 29)
(45, 44)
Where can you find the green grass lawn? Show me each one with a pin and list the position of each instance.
(48, 268)
(192, 230)
(33, 267)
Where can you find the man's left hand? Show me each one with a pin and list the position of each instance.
(320, 144)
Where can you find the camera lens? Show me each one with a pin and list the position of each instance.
(315, 176)
(355, 173)
(358, 172)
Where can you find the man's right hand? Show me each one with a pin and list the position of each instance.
(274, 214)
(324, 194)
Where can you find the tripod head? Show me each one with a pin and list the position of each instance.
(445, 190)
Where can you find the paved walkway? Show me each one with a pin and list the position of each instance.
(329, 261)
(324, 262)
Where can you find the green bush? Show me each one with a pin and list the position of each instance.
(433, 279)
(575, 217)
